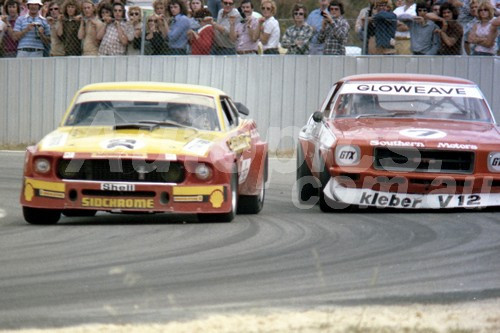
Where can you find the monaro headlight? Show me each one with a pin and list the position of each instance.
(203, 171)
(494, 161)
(42, 165)
(347, 155)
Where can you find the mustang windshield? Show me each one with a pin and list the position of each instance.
(122, 108)
(411, 101)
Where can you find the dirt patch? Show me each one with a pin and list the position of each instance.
(480, 317)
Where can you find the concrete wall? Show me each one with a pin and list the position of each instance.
(280, 91)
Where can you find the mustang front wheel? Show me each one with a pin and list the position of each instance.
(41, 215)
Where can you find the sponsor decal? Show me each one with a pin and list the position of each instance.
(239, 143)
(197, 146)
(245, 168)
(68, 155)
(170, 157)
(347, 155)
(117, 203)
(367, 197)
(412, 89)
(55, 140)
(422, 133)
(120, 155)
(50, 194)
(213, 194)
(456, 146)
(122, 143)
(397, 143)
(494, 162)
(118, 187)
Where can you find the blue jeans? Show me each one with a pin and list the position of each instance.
(214, 6)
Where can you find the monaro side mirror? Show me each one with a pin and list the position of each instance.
(318, 116)
(242, 108)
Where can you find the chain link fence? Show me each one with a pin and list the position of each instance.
(155, 35)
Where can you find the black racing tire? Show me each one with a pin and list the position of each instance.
(253, 204)
(41, 216)
(229, 216)
(305, 188)
(78, 212)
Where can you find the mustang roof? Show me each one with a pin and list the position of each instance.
(407, 78)
(153, 86)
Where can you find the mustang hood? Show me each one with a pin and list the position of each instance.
(417, 133)
(104, 140)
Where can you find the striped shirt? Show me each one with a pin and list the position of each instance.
(31, 38)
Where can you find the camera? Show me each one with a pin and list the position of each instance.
(242, 13)
(323, 13)
(37, 24)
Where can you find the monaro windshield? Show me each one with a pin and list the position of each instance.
(403, 100)
(122, 108)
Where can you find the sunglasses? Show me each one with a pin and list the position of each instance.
(266, 8)
(422, 10)
(228, 3)
(334, 8)
(54, 8)
(152, 21)
(298, 14)
(483, 10)
(118, 10)
(133, 14)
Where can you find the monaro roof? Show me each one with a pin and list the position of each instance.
(407, 78)
(152, 86)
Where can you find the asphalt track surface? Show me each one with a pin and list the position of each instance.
(121, 269)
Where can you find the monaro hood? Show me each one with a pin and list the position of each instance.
(419, 133)
(105, 140)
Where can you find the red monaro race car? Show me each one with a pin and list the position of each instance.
(401, 141)
(143, 147)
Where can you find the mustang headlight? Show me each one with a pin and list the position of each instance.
(203, 171)
(42, 165)
(494, 161)
(347, 155)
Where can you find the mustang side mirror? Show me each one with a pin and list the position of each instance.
(317, 116)
(242, 108)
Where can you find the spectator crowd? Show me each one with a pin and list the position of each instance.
(39, 28)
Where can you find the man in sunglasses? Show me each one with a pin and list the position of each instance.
(334, 29)
(296, 38)
(225, 29)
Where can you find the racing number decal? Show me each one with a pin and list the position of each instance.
(462, 200)
(425, 133)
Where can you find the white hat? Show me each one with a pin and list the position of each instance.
(34, 2)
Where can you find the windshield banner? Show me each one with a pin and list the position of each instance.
(412, 89)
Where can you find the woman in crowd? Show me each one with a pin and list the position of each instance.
(56, 45)
(12, 10)
(269, 28)
(178, 29)
(116, 33)
(296, 38)
(160, 9)
(89, 25)
(155, 42)
(483, 33)
(135, 15)
(67, 29)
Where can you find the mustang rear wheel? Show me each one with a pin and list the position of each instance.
(41, 215)
(229, 216)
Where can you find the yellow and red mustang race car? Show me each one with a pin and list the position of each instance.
(147, 147)
(400, 141)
